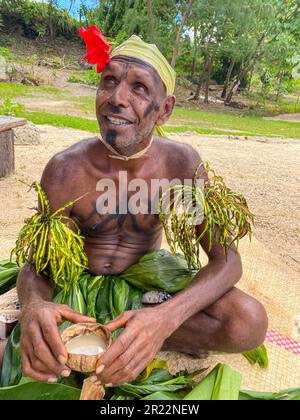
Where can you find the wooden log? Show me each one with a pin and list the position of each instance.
(7, 153)
(6, 123)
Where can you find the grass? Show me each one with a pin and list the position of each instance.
(59, 120)
(17, 90)
(183, 119)
(247, 123)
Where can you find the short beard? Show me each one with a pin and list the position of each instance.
(125, 149)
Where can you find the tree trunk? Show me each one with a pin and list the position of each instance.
(202, 79)
(197, 94)
(207, 79)
(180, 29)
(7, 154)
(195, 54)
(279, 85)
(51, 19)
(236, 84)
(251, 77)
(228, 76)
(150, 20)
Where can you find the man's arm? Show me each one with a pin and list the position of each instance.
(42, 351)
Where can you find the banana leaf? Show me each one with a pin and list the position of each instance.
(91, 296)
(160, 380)
(83, 283)
(287, 394)
(103, 312)
(155, 364)
(11, 367)
(8, 277)
(39, 391)
(159, 270)
(162, 396)
(259, 355)
(222, 383)
(8, 264)
(76, 300)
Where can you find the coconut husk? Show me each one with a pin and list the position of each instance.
(90, 391)
(82, 362)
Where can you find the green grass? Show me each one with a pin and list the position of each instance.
(92, 125)
(251, 124)
(61, 120)
(183, 119)
(17, 90)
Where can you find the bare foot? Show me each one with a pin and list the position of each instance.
(2, 350)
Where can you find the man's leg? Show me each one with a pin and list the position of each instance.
(235, 323)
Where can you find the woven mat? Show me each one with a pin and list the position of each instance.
(277, 288)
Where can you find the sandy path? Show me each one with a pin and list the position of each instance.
(265, 172)
(285, 117)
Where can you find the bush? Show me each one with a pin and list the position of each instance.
(88, 77)
(6, 53)
(11, 108)
(37, 19)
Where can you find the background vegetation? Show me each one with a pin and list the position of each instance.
(235, 43)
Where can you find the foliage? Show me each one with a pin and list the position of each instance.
(226, 216)
(38, 19)
(11, 108)
(258, 355)
(6, 53)
(231, 41)
(53, 248)
(88, 77)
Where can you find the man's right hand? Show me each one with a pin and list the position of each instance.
(43, 353)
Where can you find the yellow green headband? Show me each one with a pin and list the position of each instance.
(150, 54)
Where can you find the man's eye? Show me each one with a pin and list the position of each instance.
(110, 79)
(140, 87)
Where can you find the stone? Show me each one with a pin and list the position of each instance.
(28, 134)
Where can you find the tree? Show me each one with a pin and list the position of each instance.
(150, 20)
(179, 33)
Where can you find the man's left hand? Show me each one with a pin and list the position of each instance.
(144, 334)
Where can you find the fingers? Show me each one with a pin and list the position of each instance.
(53, 338)
(119, 322)
(28, 370)
(130, 372)
(75, 317)
(121, 361)
(40, 356)
(52, 351)
(118, 347)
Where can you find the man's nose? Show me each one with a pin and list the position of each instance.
(119, 97)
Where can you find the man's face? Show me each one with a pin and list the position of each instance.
(129, 101)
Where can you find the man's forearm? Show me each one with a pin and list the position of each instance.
(32, 287)
(208, 286)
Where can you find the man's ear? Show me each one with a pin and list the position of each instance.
(166, 110)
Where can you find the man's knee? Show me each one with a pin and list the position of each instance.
(247, 326)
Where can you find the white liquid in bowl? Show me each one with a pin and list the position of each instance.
(89, 345)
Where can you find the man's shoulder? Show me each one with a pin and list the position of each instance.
(64, 163)
(181, 156)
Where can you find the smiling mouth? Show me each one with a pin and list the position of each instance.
(117, 121)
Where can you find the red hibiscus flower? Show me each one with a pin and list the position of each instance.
(97, 47)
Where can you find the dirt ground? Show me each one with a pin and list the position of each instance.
(266, 172)
(285, 117)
